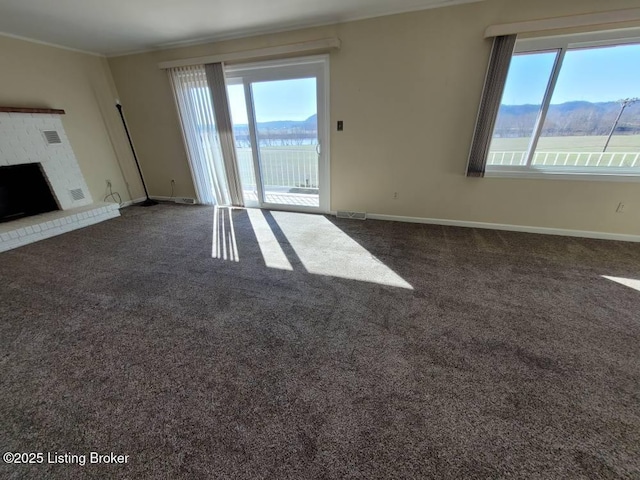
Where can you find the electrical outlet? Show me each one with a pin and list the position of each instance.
(396, 195)
(621, 208)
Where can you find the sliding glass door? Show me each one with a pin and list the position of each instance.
(279, 114)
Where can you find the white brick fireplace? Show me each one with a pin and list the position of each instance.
(38, 136)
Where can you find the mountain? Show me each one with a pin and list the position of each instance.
(310, 123)
(280, 133)
(570, 118)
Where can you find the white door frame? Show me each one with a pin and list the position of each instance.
(302, 67)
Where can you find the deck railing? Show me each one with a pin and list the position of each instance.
(291, 167)
(568, 159)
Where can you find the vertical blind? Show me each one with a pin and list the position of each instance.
(490, 103)
(197, 116)
(218, 87)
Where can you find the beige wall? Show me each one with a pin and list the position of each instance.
(407, 87)
(35, 75)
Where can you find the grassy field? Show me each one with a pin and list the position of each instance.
(568, 151)
(297, 166)
(619, 143)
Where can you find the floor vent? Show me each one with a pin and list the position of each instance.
(52, 137)
(77, 194)
(185, 200)
(352, 215)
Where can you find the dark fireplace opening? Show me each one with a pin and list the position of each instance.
(24, 191)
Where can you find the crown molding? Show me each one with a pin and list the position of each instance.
(49, 44)
(571, 21)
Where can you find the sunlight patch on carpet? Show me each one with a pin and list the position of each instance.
(324, 249)
(224, 245)
(627, 282)
(272, 253)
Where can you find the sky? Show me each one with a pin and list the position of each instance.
(592, 75)
(276, 100)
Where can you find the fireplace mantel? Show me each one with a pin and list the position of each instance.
(50, 111)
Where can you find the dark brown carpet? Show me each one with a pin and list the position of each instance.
(482, 355)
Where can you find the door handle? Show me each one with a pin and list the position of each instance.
(318, 149)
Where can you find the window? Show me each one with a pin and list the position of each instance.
(570, 106)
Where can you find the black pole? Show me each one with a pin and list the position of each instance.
(615, 125)
(148, 202)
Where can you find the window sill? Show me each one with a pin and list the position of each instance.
(609, 176)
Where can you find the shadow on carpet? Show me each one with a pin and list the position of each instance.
(296, 346)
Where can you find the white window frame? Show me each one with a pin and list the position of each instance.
(561, 44)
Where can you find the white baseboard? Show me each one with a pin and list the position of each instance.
(487, 226)
(128, 203)
(511, 228)
(152, 197)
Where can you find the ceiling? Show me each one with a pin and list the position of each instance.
(112, 27)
